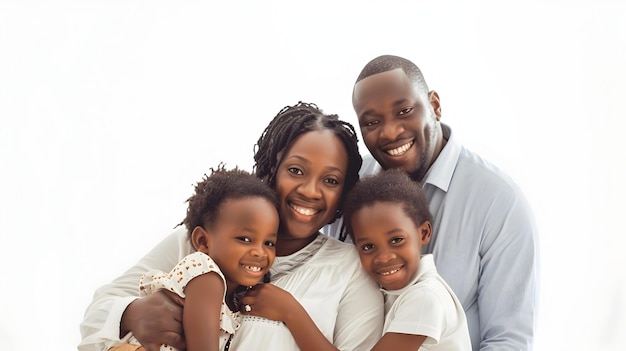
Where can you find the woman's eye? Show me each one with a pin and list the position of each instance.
(371, 123)
(295, 170)
(405, 111)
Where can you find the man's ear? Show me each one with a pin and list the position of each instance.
(425, 231)
(433, 98)
(201, 239)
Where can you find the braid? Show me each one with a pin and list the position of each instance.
(289, 124)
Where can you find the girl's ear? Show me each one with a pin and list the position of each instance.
(425, 230)
(201, 239)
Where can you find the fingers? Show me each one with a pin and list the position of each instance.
(152, 347)
(173, 297)
(174, 340)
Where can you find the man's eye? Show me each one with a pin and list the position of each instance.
(405, 111)
(371, 123)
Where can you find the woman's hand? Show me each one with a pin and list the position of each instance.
(155, 319)
(269, 301)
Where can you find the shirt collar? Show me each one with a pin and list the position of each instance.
(440, 173)
(427, 264)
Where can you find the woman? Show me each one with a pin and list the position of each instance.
(312, 161)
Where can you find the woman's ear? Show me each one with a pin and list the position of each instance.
(425, 230)
(201, 239)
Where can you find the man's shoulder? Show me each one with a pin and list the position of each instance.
(472, 167)
(369, 167)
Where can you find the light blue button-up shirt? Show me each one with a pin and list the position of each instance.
(485, 245)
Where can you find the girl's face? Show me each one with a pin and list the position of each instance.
(389, 243)
(309, 183)
(241, 240)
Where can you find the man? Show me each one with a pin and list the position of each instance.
(484, 238)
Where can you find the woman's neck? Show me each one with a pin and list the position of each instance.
(287, 245)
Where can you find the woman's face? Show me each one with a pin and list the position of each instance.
(309, 183)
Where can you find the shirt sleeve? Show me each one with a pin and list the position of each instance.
(360, 316)
(100, 327)
(419, 311)
(509, 275)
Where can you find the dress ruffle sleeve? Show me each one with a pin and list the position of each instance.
(175, 281)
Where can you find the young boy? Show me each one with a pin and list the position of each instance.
(388, 219)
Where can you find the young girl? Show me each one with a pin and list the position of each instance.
(232, 220)
(318, 287)
(388, 219)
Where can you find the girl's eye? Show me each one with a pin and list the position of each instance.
(245, 239)
(331, 181)
(405, 111)
(270, 243)
(295, 170)
(396, 240)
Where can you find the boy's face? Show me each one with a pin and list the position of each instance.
(242, 240)
(389, 243)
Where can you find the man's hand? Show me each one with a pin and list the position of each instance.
(155, 320)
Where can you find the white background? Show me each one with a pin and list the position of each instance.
(111, 110)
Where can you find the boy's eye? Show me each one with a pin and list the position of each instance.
(367, 247)
(270, 243)
(245, 239)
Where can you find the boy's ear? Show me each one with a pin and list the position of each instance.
(425, 231)
(201, 239)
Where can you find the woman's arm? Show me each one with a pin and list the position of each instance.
(101, 326)
(271, 302)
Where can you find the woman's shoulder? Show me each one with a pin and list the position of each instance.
(335, 249)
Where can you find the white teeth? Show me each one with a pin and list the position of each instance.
(304, 210)
(400, 150)
(251, 268)
(390, 272)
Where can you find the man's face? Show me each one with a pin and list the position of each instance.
(399, 125)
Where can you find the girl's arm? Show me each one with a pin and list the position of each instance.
(201, 315)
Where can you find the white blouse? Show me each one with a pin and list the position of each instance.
(327, 279)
